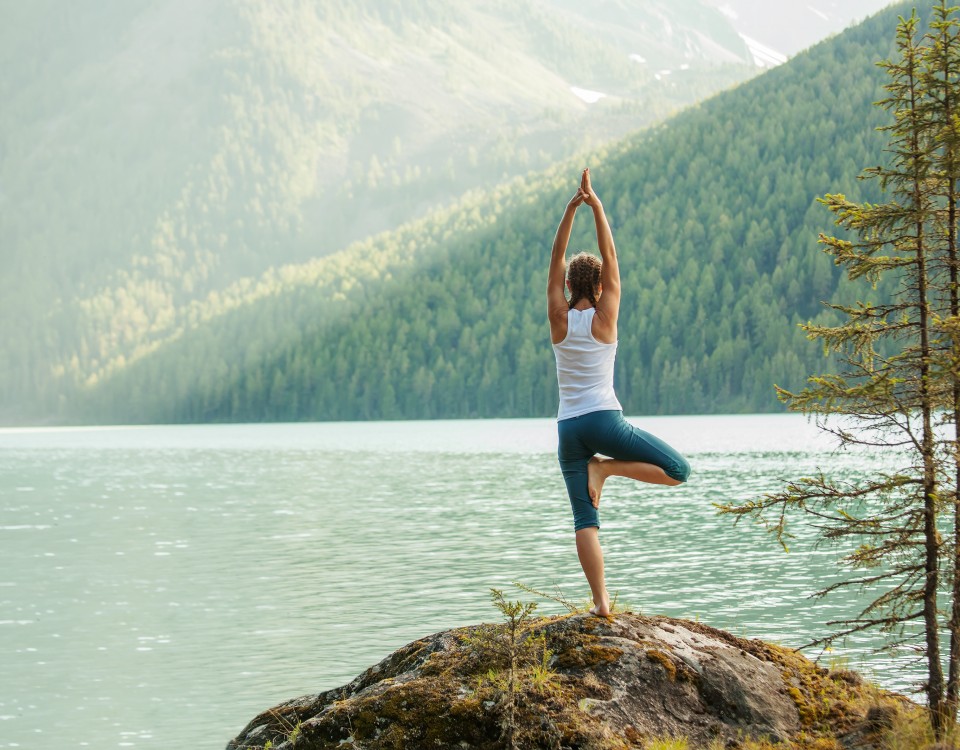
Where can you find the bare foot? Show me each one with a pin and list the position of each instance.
(602, 609)
(595, 479)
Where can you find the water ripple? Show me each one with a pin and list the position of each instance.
(162, 581)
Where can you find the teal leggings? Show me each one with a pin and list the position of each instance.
(607, 432)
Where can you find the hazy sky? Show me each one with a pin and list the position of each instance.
(784, 27)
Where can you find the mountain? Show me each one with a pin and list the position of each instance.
(716, 221)
(155, 153)
(776, 31)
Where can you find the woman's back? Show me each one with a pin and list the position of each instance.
(584, 368)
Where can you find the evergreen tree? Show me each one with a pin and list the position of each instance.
(899, 372)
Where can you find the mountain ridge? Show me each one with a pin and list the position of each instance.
(716, 221)
(625, 201)
(160, 152)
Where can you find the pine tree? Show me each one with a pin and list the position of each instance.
(898, 371)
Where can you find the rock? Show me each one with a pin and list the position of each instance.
(613, 683)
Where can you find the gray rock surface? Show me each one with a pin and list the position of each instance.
(615, 683)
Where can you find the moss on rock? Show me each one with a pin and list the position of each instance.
(610, 684)
(665, 661)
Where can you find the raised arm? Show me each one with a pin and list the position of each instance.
(556, 277)
(608, 306)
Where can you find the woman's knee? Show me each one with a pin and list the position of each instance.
(680, 470)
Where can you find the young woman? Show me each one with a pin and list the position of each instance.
(590, 420)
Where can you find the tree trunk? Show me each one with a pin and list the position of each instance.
(944, 118)
(953, 680)
(935, 684)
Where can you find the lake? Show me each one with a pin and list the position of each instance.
(159, 586)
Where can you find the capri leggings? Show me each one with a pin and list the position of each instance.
(607, 432)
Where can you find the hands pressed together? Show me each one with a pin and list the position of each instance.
(585, 192)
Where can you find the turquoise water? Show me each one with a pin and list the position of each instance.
(159, 586)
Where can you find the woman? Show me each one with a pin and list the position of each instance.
(590, 420)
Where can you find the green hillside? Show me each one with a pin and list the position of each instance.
(154, 153)
(715, 219)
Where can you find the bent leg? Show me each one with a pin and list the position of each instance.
(601, 469)
(622, 441)
(635, 454)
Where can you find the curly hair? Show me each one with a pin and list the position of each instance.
(583, 275)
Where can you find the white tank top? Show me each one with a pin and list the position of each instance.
(584, 368)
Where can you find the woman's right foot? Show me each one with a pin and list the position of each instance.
(596, 476)
(601, 610)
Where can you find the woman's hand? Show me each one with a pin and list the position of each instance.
(576, 200)
(584, 193)
(586, 190)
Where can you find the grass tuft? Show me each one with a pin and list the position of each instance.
(668, 743)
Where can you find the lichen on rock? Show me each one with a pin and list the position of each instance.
(607, 683)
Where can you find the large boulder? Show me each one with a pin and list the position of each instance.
(603, 683)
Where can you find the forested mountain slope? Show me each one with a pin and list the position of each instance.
(715, 220)
(153, 153)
